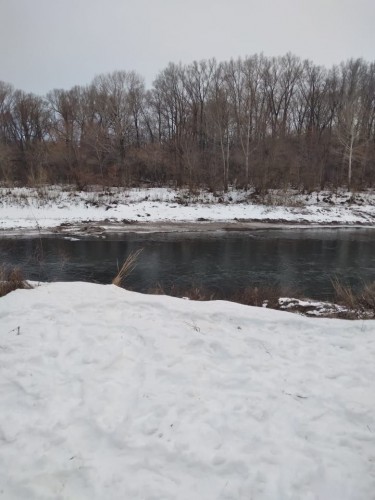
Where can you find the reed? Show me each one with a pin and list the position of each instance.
(127, 267)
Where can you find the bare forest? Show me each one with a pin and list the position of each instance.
(257, 122)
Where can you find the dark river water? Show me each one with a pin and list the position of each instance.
(304, 259)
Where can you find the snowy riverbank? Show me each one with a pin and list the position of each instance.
(117, 210)
(107, 393)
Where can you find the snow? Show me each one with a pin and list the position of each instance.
(320, 308)
(49, 207)
(106, 393)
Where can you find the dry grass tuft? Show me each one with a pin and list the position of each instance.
(359, 302)
(344, 294)
(367, 297)
(11, 279)
(127, 267)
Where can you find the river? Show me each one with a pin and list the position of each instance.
(304, 259)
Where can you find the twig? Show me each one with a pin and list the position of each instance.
(193, 326)
(17, 329)
(295, 395)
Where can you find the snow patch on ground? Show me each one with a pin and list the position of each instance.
(49, 207)
(106, 393)
(319, 308)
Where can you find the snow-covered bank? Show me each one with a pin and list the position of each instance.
(50, 207)
(111, 394)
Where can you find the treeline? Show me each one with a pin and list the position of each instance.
(259, 122)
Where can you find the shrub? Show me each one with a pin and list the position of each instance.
(11, 279)
(361, 302)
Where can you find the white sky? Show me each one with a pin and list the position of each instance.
(46, 44)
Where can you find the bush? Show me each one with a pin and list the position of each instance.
(11, 279)
(361, 302)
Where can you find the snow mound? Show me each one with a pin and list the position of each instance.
(110, 394)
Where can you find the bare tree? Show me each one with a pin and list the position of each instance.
(349, 130)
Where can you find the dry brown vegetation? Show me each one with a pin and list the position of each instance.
(347, 304)
(127, 267)
(261, 122)
(361, 302)
(11, 278)
(251, 296)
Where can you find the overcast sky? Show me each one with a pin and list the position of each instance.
(46, 44)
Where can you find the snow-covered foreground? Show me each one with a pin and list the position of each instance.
(49, 207)
(109, 394)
